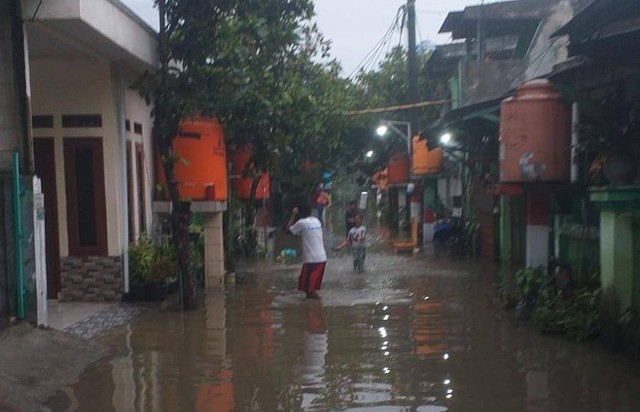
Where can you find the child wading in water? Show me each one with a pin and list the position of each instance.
(356, 240)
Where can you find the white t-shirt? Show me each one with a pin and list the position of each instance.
(310, 230)
(357, 236)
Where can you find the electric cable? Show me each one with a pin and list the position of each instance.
(35, 13)
(381, 50)
(370, 57)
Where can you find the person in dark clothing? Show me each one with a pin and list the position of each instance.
(350, 216)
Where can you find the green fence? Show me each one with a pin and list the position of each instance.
(580, 248)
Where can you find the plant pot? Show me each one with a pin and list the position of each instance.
(173, 286)
(149, 292)
(620, 169)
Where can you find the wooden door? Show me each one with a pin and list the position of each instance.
(44, 155)
(86, 206)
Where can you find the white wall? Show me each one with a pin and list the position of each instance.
(117, 25)
(137, 111)
(77, 85)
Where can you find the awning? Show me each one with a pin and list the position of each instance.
(104, 28)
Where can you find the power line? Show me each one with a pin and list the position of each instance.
(397, 107)
(371, 57)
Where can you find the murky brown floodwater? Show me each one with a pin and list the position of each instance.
(406, 336)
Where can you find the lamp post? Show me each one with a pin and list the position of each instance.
(386, 125)
(396, 127)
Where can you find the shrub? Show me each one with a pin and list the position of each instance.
(577, 313)
(151, 263)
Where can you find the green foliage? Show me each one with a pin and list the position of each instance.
(151, 263)
(531, 282)
(608, 124)
(388, 86)
(576, 314)
(248, 63)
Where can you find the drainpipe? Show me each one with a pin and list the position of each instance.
(575, 138)
(21, 75)
(17, 235)
(120, 106)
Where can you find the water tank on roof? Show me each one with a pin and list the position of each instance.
(398, 169)
(242, 185)
(535, 134)
(425, 161)
(201, 171)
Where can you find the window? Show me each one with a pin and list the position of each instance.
(131, 217)
(86, 210)
(142, 210)
(42, 122)
(81, 120)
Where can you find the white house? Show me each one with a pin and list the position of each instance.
(92, 140)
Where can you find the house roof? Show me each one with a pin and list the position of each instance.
(605, 27)
(598, 14)
(445, 57)
(106, 28)
(506, 18)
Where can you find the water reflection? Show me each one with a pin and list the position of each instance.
(259, 347)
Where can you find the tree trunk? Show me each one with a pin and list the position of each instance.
(251, 235)
(166, 128)
(251, 207)
(180, 218)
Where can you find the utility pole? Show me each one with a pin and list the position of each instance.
(412, 62)
(414, 128)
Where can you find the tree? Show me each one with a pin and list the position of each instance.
(387, 85)
(252, 64)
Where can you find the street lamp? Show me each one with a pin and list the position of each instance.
(386, 125)
(445, 139)
(369, 154)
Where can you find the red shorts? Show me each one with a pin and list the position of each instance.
(311, 276)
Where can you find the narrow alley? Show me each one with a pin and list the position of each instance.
(409, 334)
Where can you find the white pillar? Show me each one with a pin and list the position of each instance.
(213, 250)
(120, 114)
(39, 238)
(537, 231)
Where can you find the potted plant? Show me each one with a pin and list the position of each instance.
(152, 269)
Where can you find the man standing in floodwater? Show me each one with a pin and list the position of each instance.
(314, 257)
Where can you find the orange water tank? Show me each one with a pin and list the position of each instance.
(535, 134)
(425, 161)
(242, 185)
(380, 179)
(201, 172)
(398, 169)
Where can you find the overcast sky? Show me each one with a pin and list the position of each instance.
(356, 26)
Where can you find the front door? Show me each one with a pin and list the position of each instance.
(86, 207)
(44, 156)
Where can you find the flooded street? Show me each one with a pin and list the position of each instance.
(407, 335)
